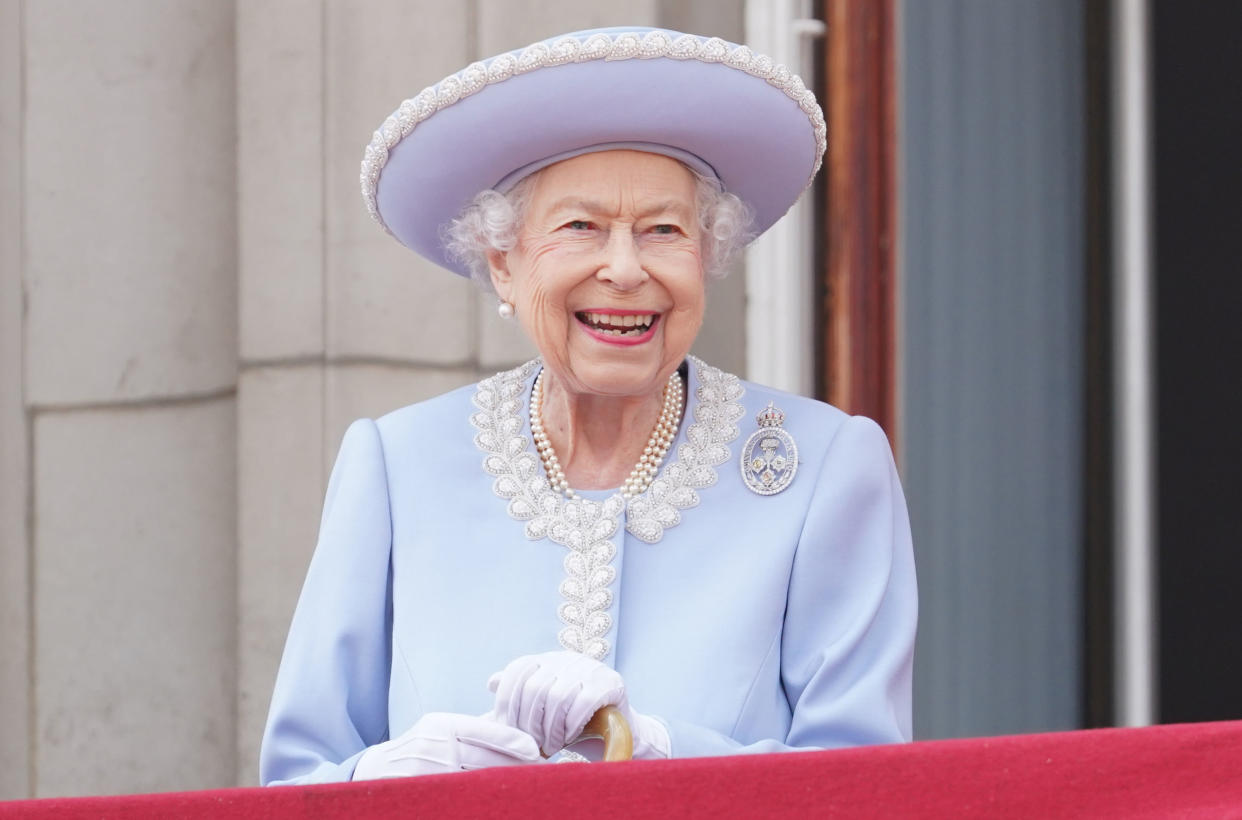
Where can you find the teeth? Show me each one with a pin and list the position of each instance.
(610, 320)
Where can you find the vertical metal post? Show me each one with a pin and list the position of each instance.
(1134, 367)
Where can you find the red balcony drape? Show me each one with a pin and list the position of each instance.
(1192, 770)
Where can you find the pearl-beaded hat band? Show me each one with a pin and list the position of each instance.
(719, 107)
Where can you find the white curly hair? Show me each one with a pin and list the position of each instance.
(491, 221)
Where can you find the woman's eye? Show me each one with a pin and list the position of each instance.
(578, 225)
(666, 229)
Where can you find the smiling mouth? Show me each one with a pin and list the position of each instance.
(630, 325)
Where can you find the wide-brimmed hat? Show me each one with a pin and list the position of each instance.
(719, 107)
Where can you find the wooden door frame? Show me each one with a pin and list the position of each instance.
(857, 320)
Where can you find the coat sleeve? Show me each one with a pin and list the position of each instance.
(331, 696)
(846, 671)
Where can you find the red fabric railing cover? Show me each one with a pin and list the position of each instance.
(1166, 771)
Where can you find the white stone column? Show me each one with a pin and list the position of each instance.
(338, 321)
(385, 306)
(130, 363)
(281, 307)
(398, 329)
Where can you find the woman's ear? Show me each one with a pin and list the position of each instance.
(502, 277)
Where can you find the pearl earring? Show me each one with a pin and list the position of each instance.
(505, 309)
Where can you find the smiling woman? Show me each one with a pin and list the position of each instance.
(615, 235)
(498, 563)
(607, 279)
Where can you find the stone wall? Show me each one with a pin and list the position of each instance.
(193, 307)
(120, 353)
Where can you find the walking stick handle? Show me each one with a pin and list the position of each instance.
(609, 725)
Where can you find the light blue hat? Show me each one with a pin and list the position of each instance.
(720, 108)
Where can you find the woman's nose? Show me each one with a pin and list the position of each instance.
(621, 264)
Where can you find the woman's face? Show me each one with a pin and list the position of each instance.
(606, 276)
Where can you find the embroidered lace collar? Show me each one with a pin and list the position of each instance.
(587, 526)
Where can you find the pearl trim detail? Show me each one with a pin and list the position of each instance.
(587, 527)
(714, 427)
(599, 46)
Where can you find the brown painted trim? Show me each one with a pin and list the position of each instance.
(858, 307)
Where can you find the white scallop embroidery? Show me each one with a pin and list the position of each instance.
(586, 527)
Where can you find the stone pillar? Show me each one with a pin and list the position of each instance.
(280, 287)
(129, 334)
(338, 321)
(397, 329)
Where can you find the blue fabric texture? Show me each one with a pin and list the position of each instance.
(756, 624)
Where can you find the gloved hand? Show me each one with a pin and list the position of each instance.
(552, 696)
(443, 742)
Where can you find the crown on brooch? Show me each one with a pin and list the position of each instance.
(770, 416)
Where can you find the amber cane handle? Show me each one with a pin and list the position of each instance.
(609, 725)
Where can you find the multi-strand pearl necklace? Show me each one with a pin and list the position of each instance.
(648, 463)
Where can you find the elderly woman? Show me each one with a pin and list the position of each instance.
(615, 522)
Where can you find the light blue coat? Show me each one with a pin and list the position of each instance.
(745, 622)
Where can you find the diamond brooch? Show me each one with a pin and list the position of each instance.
(769, 456)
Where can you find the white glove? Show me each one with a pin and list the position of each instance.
(552, 696)
(443, 742)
